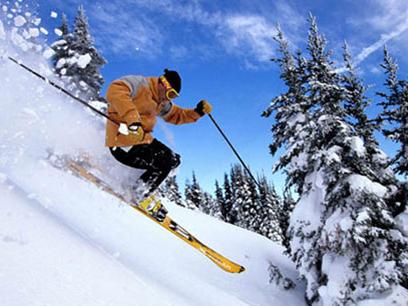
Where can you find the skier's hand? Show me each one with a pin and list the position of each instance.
(203, 107)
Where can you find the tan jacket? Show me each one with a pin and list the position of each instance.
(135, 99)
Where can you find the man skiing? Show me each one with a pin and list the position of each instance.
(135, 102)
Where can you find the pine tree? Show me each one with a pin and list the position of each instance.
(290, 110)
(194, 194)
(85, 60)
(171, 191)
(252, 209)
(76, 61)
(285, 211)
(206, 202)
(356, 102)
(188, 196)
(226, 209)
(219, 202)
(209, 205)
(243, 207)
(395, 112)
(267, 212)
(62, 48)
(342, 219)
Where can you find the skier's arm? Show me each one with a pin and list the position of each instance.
(175, 114)
(119, 97)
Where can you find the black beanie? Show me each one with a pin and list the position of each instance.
(174, 79)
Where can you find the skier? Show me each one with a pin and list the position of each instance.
(136, 102)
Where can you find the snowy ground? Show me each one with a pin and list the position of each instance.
(86, 248)
(43, 262)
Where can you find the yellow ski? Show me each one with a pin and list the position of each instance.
(80, 171)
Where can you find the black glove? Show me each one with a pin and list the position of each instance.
(203, 107)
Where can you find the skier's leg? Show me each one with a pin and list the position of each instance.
(156, 158)
(141, 160)
(163, 161)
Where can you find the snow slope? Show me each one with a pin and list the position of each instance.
(43, 262)
(81, 231)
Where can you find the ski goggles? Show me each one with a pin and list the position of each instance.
(171, 93)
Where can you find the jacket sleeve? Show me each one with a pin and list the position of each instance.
(119, 97)
(178, 115)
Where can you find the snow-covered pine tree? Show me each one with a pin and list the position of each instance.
(253, 209)
(193, 194)
(64, 27)
(188, 195)
(257, 211)
(266, 218)
(243, 208)
(290, 110)
(62, 48)
(285, 210)
(252, 186)
(226, 208)
(171, 191)
(209, 205)
(343, 237)
(395, 113)
(356, 102)
(219, 199)
(84, 60)
(206, 202)
(219, 202)
(355, 105)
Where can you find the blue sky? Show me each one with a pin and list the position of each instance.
(222, 51)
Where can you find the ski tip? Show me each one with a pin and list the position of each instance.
(236, 269)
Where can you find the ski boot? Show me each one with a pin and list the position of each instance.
(154, 208)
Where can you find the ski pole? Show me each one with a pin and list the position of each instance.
(62, 89)
(234, 150)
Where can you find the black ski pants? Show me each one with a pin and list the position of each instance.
(156, 158)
